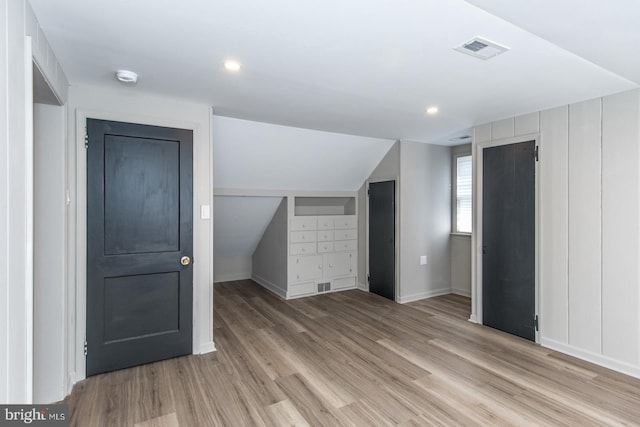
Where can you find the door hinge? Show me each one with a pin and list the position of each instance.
(368, 278)
(536, 153)
(85, 347)
(86, 140)
(536, 323)
(368, 192)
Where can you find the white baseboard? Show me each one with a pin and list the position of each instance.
(423, 295)
(363, 286)
(461, 292)
(282, 293)
(473, 318)
(71, 381)
(232, 277)
(598, 359)
(207, 347)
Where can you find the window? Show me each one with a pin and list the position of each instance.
(463, 193)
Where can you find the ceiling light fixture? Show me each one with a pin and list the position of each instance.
(232, 65)
(126, 76)
(432, 110)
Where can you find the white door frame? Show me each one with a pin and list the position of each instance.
(476, 237)
(396, 181)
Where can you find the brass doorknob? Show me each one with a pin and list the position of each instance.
(185, 260)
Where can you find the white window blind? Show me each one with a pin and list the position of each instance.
(463, 194)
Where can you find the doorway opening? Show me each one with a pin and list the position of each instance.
(381, 231)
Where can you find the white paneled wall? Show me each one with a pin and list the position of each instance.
(589, 226)
(585, 260)
(620, 231)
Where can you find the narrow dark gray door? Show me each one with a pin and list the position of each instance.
(139, 235)
(508, 238)
(382, 238)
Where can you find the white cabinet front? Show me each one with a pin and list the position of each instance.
(325, 236)
(346, 234)
(346, 222)
(304, 268)
(339, 264)
(301, 224)
(303, 236)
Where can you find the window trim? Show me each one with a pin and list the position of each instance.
(456, 152)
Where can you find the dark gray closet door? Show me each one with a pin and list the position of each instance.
(382, 258)
(508, 238)
(139, 228)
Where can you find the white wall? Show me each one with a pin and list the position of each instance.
(49, 249)
(589, 233)
(425, 220)
(126, 104)
(270, 257)
(252, 155)
(16, 186)
(238, 225)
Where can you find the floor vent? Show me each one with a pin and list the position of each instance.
(481, 48)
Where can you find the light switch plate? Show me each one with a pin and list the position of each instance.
(205, 212)
(423, 260)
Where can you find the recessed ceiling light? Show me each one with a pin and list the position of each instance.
(432, 110)
(232, 65)
(126, 76)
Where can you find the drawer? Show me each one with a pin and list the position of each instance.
(301, 289)
(346, 222)
(325, 224)
(343, 283)
(345, 245)
(325, 247)
(325, 236)
(346, 235)
(302, 248)
(303, 236)
(301, 224)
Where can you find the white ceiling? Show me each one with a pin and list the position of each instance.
(362, 67)
(239, 223)
(253, 155)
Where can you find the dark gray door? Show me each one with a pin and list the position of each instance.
(139, 227)
(508, 238)
(382, 239)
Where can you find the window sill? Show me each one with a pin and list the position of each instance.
(461, 234)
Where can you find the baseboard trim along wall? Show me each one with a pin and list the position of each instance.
(461, 292)
(363, 287)
(232, 277)
(597, 359)
(282, 293)
(207, 347)
(423, 295)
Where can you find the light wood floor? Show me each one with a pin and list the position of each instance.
(353, 358)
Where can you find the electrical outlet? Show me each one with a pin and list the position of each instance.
(423, 260)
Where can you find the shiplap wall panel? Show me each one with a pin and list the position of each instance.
(585, 260)
(482, 133)
(620, 230)
(554, 233)
(526, 124)
(502, 129)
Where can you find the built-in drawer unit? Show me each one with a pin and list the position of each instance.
(345, 245)
(346, 222)
(301, 289)
(343, 283)
(302, 248)
(325, 235)
(303, 236)
(304, 268)
(302, 224)
(345, 235)
(325, 224)
(325, 247)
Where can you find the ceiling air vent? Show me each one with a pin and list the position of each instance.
(460, 138)
(481, 48)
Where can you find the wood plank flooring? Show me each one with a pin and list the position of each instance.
(356, 359)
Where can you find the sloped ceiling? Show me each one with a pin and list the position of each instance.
(605, 32)
(252, 155)
(239, 223)
(361, 67)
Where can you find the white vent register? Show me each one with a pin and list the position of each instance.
(481, 48)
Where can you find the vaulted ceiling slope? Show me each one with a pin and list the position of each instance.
(605, 32)
(361, 67)
(253, 155)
